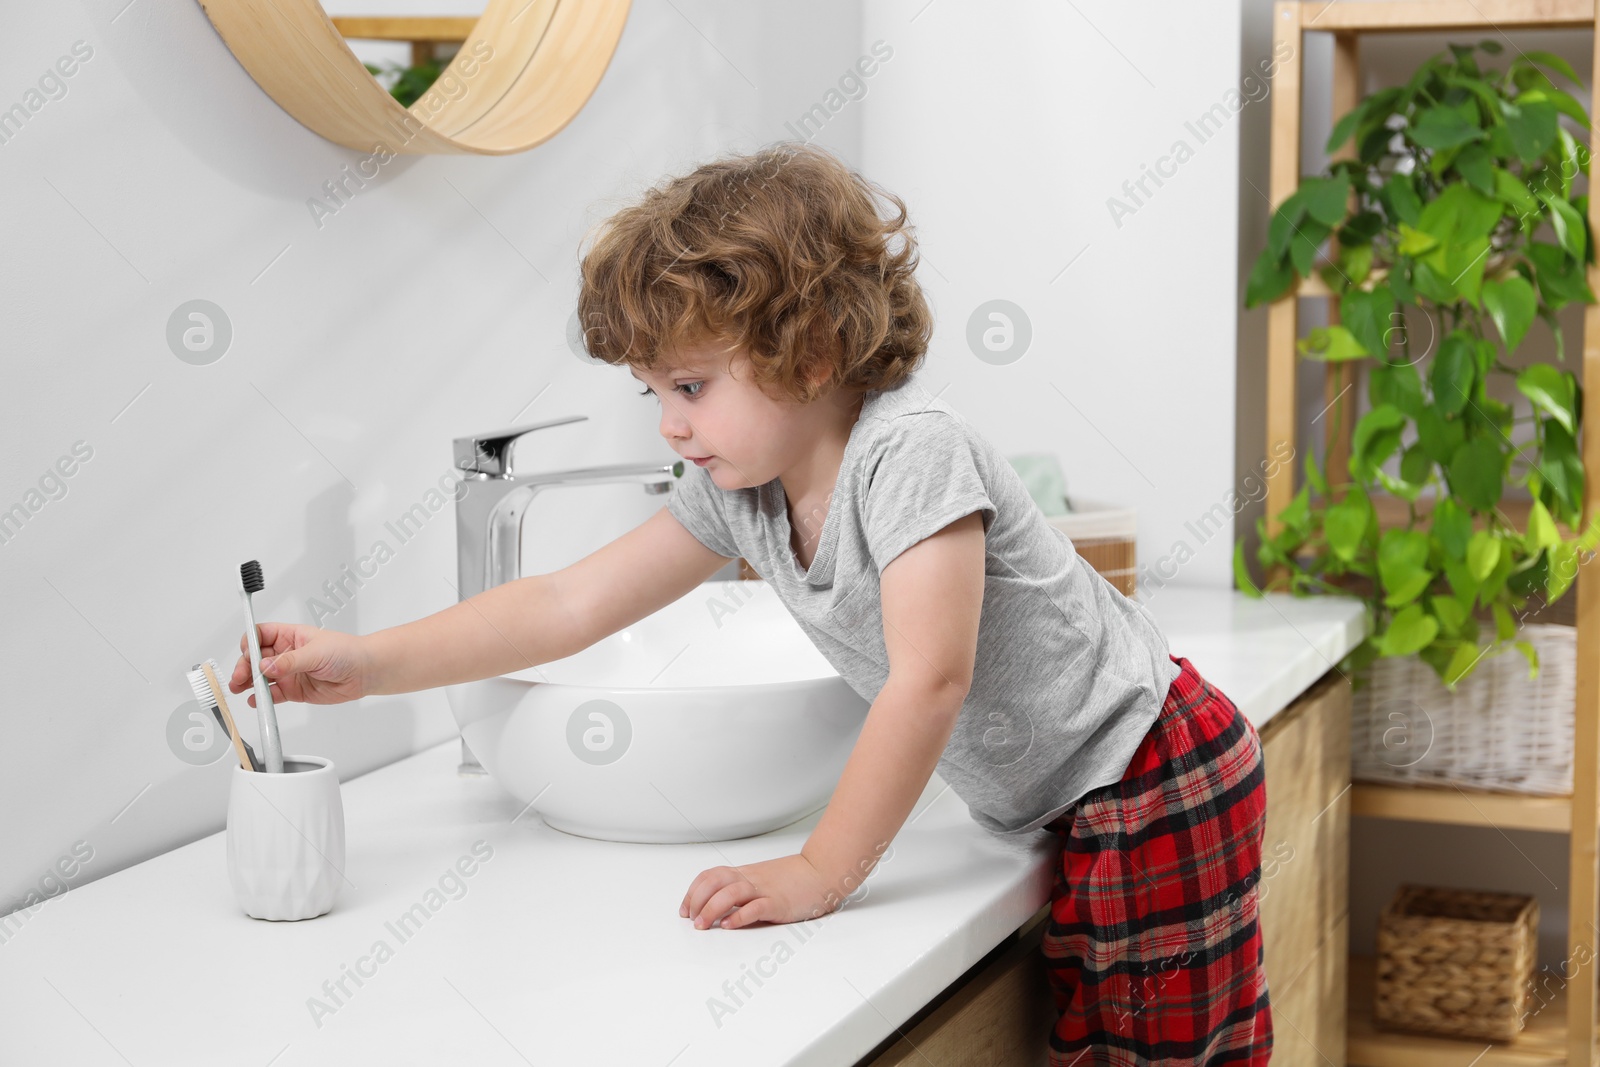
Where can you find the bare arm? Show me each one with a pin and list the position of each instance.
(932, 597)
(544, 617)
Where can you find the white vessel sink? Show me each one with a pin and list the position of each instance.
(713, 718)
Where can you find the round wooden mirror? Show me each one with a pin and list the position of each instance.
(524, 70)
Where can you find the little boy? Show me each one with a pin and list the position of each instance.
(761, 300)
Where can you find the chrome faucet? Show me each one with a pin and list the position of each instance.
(494, 498)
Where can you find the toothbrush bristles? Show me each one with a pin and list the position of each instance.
(250, 576)
(202, 688)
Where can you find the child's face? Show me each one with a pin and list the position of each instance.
(710, 406)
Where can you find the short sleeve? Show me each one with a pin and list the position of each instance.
(696, 503)
(926, 477)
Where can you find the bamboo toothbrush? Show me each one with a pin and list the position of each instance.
(208, 691)
(251, 581)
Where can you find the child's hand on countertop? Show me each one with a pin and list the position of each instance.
(304, 663)
(785, 890)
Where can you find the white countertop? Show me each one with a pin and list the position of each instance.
(559, 949)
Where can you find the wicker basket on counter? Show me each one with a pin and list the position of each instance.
(1105, 537)
(1499, 730)
(1457, 962)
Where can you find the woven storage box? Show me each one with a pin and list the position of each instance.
(1456, 961)
(1104, 536)
(1499, 730)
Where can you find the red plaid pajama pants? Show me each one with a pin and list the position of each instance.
(1152, 948)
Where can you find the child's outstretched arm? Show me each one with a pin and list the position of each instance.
(932, 595)
(523, 623)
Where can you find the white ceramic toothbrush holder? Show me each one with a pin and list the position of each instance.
(286, 839)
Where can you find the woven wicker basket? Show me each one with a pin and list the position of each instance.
(1456, 961)
(1105, 538)
(1499, 730)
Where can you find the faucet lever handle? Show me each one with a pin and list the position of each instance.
(490, 453)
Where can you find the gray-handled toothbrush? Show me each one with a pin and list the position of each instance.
(250, 581)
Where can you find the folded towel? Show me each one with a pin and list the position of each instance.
(1041, 474)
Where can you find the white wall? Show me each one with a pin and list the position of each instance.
(434, 304)
(1009, 128)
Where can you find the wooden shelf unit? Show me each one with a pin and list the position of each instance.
(423, 32)
(1462, 807)
(1549, 1039)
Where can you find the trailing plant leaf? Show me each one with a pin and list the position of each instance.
(1541, 532)
(1552, 391)
(1376, 436)
(1331, 343)
(1505, 627)
(1492, 585)
(1410, 631)
(1325, 198)
(1360, 229)
(1280, 230)
(1270, 278)
(1531, 654)
(1531, 124)
(1439, 436)
(1446, 127)
(1463, 586)
(1403, 565)
(1306, 242)
(1561, 569)
(1483, 555)
(1590, 538)
(1241, 573)
(1396, 384)
(1513, 192)
(1451, 615)
(1454, 174)
(1511, 303)
(1297, 516)
(1432, 283)
(1560, 281)
(1473, 164)
(1561, 468)
(1567, 223)
(1400, 200)
(1460, 663)
(1314, 478)
(1414, 242)
(1476, 473)
(1451, 527)
(1527, 578)
(1548, 59)
(1367, 314)
(1347, 522)
(1355, 264)
(1454, 371)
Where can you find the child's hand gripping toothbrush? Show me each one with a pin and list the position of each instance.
(251, 581)
(309, 664)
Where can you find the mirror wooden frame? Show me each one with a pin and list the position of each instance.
(523, 73)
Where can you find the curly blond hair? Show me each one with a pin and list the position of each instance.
(781, 253)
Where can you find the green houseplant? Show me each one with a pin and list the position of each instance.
(407, 84)
(1454, 178)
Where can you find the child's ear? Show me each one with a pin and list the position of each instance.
(821, 372)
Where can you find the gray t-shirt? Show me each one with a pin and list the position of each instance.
(1070, 674)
